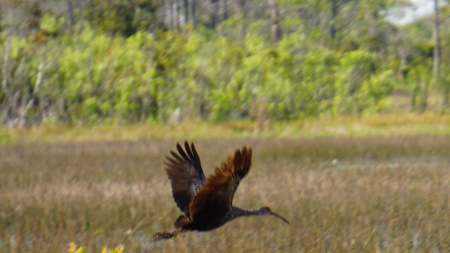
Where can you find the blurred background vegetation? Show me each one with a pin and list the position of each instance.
(95, 61)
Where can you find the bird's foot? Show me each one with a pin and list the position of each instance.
(163, 235)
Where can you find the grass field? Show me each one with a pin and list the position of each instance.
(341, 194)
(392, 124)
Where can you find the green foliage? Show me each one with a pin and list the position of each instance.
(50, 24)
(112, 69)
(123, 16)
(91, 77)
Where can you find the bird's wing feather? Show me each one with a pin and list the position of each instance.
(218, 192)
(186, 175)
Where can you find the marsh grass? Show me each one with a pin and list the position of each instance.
(341, 194)
(393, 124)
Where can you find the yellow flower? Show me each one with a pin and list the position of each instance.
(72, 247)
(119, 249)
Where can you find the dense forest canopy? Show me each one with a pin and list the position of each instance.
(134, 61)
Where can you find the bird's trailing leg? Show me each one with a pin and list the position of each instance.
(165, 235)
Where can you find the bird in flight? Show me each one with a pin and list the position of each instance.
(207, 203)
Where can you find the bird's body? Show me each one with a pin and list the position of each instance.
(216, 218)
(207, 202)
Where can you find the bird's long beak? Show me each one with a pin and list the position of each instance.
(279, 216)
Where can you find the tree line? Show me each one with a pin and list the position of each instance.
(135, 61)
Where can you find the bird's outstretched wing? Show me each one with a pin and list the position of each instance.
(186, 175)
(218, 192)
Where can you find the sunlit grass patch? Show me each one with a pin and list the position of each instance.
(401, 124)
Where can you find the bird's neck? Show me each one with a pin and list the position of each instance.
(236, 212)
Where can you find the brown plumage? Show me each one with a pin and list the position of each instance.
(206, 203)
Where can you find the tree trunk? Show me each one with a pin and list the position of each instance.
(334, 9)
(173, 15)
(6, 68)
(276, 31)
(186, 11)
(1, 16)
(194, 17)
(170, 11)
(243, 8)
(437, 56)
(214, 14)
(446, 95)
(70, 13)
(424, 96)
(225, 9)
(166, 10)
(437, 42)
(177, 13)
(165, 14)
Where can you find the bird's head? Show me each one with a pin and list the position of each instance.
(265, 210)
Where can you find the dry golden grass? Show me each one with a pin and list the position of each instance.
(397, 124)
(341, 194)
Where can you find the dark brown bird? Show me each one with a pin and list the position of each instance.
(207, 203)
